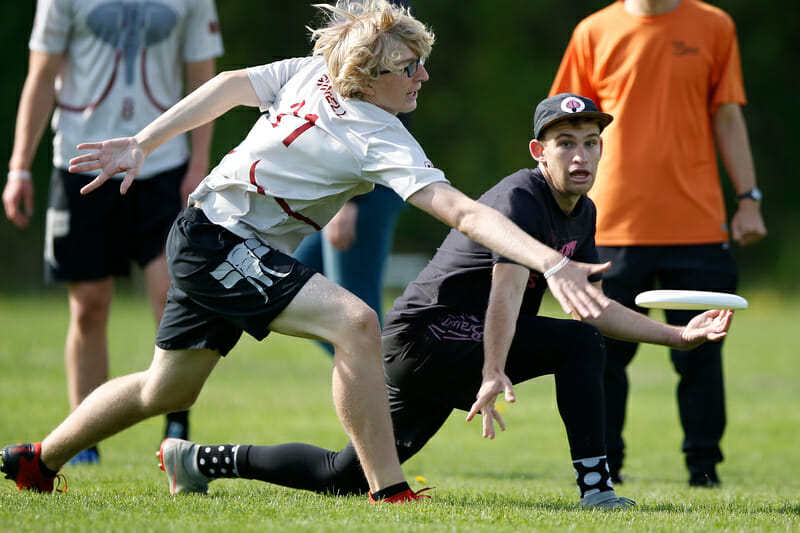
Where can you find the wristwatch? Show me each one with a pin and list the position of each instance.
(752, 194)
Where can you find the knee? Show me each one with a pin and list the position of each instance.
(89, 305)
(588, 344)
(361, 330)
(165, 396)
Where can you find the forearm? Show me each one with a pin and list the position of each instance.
(730, 135)
(499, 331)
(35, 106)
(484, 225)
(502, 311)
(491, 229)
(211, 100)
(622, 323)
(198, 73)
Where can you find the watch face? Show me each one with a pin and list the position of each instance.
(755, 194)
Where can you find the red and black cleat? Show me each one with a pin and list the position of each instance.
(21, 464)
(407, 495)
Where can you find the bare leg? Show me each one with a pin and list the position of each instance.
(157, 282)
(172, 382)
(324, 311)
(86, 349)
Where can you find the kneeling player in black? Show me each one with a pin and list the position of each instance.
(467, 329)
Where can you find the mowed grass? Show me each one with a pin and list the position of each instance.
(279, 390)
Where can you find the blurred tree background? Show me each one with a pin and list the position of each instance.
(492, 62)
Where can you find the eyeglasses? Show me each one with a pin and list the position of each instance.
(409, 69)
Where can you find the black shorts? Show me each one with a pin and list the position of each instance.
(94, 236)
(223, 285)
(433, 364)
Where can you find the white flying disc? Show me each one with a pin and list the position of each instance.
(674, 299)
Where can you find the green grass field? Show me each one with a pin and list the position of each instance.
(279, 390)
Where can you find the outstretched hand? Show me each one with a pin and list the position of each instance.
(487, 394)
(110, 157)
(709, 326)
(573, 290)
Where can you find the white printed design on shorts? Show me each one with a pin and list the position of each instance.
(244, 262)
(56, 226)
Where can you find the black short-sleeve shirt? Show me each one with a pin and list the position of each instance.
(459, 276)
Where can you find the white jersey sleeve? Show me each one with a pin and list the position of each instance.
(268, 79)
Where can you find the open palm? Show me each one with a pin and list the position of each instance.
(111, 157)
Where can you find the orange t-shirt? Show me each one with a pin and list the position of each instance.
(661, 77)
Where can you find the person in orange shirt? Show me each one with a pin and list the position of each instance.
(670, 72)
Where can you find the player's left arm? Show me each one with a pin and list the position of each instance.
(730, 135)
(197, 73)
(211, 100)
(505, 298)
(626, 324)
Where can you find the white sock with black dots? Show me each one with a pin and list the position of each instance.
(592, 475)
(218, 460)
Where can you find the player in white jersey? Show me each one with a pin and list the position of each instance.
(110, 67)
(330, 132)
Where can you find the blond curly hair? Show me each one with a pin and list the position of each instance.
(364, 37)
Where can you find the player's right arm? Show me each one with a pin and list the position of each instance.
(211, 100)
(625, 324)
(35, 105)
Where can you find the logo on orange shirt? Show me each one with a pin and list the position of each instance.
(679, 48)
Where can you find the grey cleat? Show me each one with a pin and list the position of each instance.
(606, 500)
(179, 461)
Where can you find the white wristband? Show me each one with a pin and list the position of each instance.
(561, 264)
(19, 175)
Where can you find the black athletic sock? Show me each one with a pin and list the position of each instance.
(592, 475)
(302, 466)
(217, 461)
(390, 491)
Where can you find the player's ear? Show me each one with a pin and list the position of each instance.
(537, 150)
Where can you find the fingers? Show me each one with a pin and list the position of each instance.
(474, 410)
(84, 168)
(126, 183)
(576, 294)
(488, 426)
(89, 146)
(508, 393)
(598, 268)
(95, 183)
(489, 414)
(586, 301)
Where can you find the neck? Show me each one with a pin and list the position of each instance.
(565, 200)
(650, 7)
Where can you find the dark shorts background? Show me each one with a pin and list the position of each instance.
(634, 269)
(94, 236)
(223, 285)
(433, 364)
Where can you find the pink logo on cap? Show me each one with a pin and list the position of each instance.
(572, 105)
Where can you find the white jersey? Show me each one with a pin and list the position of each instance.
(306, 156)
(123, 67)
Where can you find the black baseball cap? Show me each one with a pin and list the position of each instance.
(566, 106)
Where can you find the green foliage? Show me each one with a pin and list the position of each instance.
(492, 62)
(279, 391)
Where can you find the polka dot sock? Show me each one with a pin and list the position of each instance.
(218, 460)
(592, 475)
